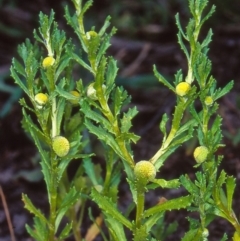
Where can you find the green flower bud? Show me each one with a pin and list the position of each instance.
(200, 154)
(48, 61)
(144, 171)
(183, 88)
(208, 101)
(91, 34)
(77, 95)
(60, 146)
(91, 91)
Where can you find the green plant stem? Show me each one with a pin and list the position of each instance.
(53, 182)
(53, 199)
(178, 114)
(107, 112)
(140, 207)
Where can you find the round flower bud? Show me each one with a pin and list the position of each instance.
(91, 91)
(205, 233)
(48, 61)
(200, 154)
(144, 171)
(183, 88)
(60, 146)
(77, 95)
(41, 99)
(208, 101)
(91, 34)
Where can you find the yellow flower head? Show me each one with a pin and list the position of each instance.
(208, 101)
(144, 171)
(41, 99)
(60, 146)
(75, 94)
(48, 61)
(183, 88)
(200, 154)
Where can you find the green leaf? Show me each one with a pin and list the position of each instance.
(120, 95)
(180, 26)
(116, 228)
(104, 136)
(104, 46)
(140, 234)
(230, 186)
(208, 39)
(90, 171)
(63, 64)
(82, 63)
(167, 184)
(95, 116)
(69, 200)
(40, 232)
(162, 126)
(190, 235)
(162, 79)
(110, 208)
(32, 209)
(111, 73)
(221, 92)
(18, 81)
(176, 203)
(66, 231)
(126, 121)
(60, 113)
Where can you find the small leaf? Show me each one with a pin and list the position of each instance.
(69, 199)
(176, 203)
(221, 92)
(162, 79)
(32, 209)
(109, 208)
(167, 184)
(230, 186)
(66, 231)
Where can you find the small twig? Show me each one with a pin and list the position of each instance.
(5, 207)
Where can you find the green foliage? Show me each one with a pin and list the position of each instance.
(47, 68)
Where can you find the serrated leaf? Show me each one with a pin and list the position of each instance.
(167, 184)
(60, 111)
(32, 209)
(66, 231)
(162, 125)
(230, 187)
(109, 208)
(126, 121)
(82, 63)
(116, 228)
(64, 63)
(169, 205)
(188, 184)
(119, 96)
(97, 117)
(104, 45)
(162, 79)
(18, 81)
(140, 234)
(190, 235)
(104, 136)
(221, 92)
(89, 169)
(69, 199)
(111, 73)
